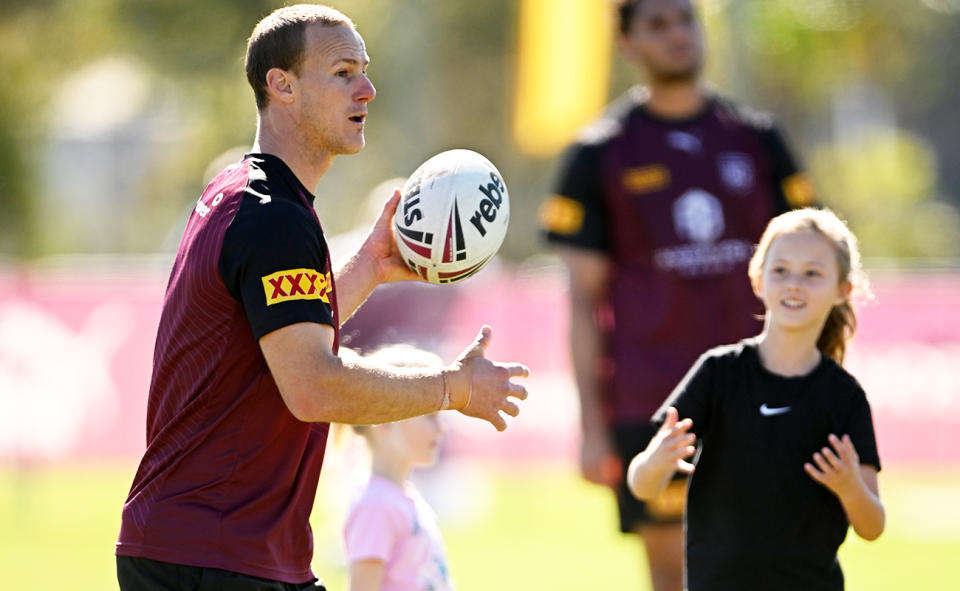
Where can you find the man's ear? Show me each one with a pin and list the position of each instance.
(281, 85)
(627, 50)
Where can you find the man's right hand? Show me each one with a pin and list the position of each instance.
(380, 246)
(599, 463)
(482, 388)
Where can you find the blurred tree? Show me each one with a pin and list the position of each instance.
(885, 183)
(847, 75)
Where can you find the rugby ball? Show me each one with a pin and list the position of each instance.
(452, 217)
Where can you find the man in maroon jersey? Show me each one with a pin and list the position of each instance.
(246, 375)
(655, 215)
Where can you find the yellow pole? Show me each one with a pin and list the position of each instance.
(563, 71)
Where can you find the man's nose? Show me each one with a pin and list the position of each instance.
(366, 92)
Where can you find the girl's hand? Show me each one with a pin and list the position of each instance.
(838, 469)
(672, 444)
(651, 470)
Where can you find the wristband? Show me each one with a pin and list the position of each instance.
(448, 400)
(445, 400)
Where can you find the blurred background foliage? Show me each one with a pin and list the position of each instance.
(114, 114)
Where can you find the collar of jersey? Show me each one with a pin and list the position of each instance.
(278, 166)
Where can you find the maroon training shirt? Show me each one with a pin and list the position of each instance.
(677, 205)
(229, 475)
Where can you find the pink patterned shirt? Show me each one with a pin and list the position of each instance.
(394, 525)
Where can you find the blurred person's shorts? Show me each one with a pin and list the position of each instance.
(629, 440)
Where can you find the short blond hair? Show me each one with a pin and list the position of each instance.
(278, 41)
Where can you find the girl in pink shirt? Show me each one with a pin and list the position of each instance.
(391, 534)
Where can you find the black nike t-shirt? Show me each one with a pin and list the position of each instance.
(755, 519)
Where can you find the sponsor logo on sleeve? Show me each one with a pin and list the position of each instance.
(798, 190)
(646, 179)
(296, 284)
(561, 215)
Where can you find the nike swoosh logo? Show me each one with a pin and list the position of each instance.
(769, 412)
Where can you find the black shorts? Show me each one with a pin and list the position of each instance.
(667, 508)
(144, 574)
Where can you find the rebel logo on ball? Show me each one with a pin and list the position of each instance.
(452, 217)
(490, 205)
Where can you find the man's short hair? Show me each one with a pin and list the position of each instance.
(278, 42)
(626, 9)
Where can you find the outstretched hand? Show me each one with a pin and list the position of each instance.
(381, 246)
(651, 470)
(482, 388)
(673, 443)
(838, 469)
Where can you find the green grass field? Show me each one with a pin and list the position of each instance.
(542, 528)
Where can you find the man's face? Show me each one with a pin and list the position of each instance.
(665, 40)
(334, 89)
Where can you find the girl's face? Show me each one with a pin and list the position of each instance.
(419, 438)
(800, 282)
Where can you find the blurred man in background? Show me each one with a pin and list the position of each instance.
(246, 374)
(655, 215)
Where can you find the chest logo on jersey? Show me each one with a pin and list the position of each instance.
(699, 221)
(645, 179)
(736, 171)
(769, 411)
(698, 216)
(685, 142)
(296, 284)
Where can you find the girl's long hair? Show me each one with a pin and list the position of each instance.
(841, 323)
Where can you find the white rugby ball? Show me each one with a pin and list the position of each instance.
(452, 217)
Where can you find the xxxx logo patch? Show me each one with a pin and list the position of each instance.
(799, 190)
(296, 284)
(562, 215)
(646, 179)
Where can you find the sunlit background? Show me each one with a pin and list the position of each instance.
(115, 114)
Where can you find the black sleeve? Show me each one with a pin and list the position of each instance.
(860, 428)
(692, 396)
(274, 263)
(576, 212)
(792, 187)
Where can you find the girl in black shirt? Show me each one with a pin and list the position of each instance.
(786, 457)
